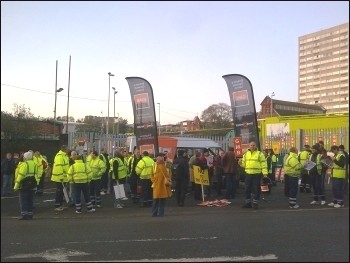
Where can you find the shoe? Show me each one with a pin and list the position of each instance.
(294, 206)
(98, 206)
(118, 206)
(331, 204)
(77, 212)
(255, 206)
(314, 203)
(23, 218)
(125, 198)
(323, 202)
(338, 206)
(91, 210)
(59, 209)
(247, 205)
(102, 193)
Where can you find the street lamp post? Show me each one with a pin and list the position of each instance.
(158, 117)
(109, 94)
(272, 95)
(54, 111)
(115, 92)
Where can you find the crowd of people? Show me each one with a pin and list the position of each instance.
(150, 181)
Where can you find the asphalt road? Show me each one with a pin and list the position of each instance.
(191, 233)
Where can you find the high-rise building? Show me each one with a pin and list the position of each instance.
(324, 68)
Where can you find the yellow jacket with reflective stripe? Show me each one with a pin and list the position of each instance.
(254, 163)
(79, 173)
(292, 166)
(98, 167)
(39, 162)
(27, 168)
(144, 167)
(303, 156)
(60, 167)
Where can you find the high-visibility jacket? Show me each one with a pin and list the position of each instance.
(88, 159)
(339, 171)
(269, 164)
(27, 168)
(304, 156)
(98, 167)
(39, 162)
(60, 167)
(254, 163)
(292, 166)
(119, 164)
(79, 173)
(144, 167)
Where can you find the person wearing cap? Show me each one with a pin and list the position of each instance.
(27, 169)
(59, 175)
(305, 183)
(144, 169)
(338, 177)
(316, 177)
(182, 177)
(161, 189)
(292, 167)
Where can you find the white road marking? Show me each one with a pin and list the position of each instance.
(63, 255)
(142, 240)
(58, 254)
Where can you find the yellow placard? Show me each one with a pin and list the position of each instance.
(276, 147)
(200, 176)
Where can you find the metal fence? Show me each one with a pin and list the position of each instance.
(331, 136)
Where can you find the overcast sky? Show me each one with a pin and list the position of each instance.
(181, 48)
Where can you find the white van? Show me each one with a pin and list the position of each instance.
(189, 144)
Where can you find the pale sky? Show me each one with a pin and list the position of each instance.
(181, 48)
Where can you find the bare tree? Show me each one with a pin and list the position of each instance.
(217, 116)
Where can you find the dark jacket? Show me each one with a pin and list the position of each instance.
(182, 169)
(229, 163)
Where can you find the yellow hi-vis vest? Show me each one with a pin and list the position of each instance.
(338, 171)
(122, 169)
(60, 167)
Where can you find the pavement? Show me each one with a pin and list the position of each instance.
(44, 205)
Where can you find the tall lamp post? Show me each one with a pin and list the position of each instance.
(109, 94)
(158, 117)
(115, 92)
(272, 95)
(54, 111)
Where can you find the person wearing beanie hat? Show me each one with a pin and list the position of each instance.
(28, 172)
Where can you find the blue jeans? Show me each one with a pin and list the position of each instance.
(7, 184)
(252, 187)
(158, 207)
(26, 202)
